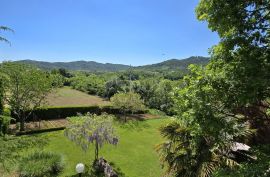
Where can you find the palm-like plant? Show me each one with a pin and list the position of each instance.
(4, 28)
(186, 155)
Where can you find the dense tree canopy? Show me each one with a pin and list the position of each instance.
(241, 61)
(221, 104)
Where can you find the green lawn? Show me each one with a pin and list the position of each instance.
(134, 155)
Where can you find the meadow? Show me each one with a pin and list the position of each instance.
(135, 154)
(65, 96)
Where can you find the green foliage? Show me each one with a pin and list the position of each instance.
(188, 154)
(94, 67)
(4, 124)
(175, 64)
(259, 167)
(57, 80)
(40, 164)
(156, 93)
(115, 86)
(173, 75)
(11, 148)
(25, 88)
(62, 71)
(6, 112)
(1, 97)
(219, 103)
(200, 142)
(241, 57)
(91, 84)
(48, 113)
(243, 53)
(127, 102)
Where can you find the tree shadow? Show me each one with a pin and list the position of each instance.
(134, 122)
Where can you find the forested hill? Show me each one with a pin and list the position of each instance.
(173, 64)
(77, 65)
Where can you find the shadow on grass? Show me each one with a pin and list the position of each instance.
(134, 122)
(90, 172)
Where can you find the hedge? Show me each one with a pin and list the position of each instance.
(49, 113)
(39, 131)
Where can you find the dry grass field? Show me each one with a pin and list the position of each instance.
(69, 97)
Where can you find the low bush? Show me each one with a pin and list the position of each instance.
(4, 124)
(7, 112)
(41, 164)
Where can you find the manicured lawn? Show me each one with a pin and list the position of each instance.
(66, 96)
(134, 155)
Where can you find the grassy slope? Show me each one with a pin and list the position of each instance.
(134, 155)
(69, 97)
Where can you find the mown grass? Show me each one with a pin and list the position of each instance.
(66, 96)
(134, 155)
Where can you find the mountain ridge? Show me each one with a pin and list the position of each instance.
(83, 65)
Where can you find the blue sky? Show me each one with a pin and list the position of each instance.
(135, 32)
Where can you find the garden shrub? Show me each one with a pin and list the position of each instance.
(7, 112)
(41, 164)
(4, 124)
(49, 113)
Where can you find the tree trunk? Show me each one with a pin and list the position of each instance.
(22, 121)
(96, 151)
(125, 117)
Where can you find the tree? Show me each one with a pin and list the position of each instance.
(1, 97)
(92, 84)
(114, 86)
(219, 102)
(147, 90)
(4, 28)
(243, 56)
(89, 129)
(127, 102)
(163, 96)
(199, 141)
(156, 93)
(25, 88)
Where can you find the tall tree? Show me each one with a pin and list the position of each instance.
(241, 61)
(25, 88)
(200, 140)
(3, 28)
(218, 103)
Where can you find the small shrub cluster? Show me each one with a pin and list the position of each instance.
(5, 121)
(41, 164)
